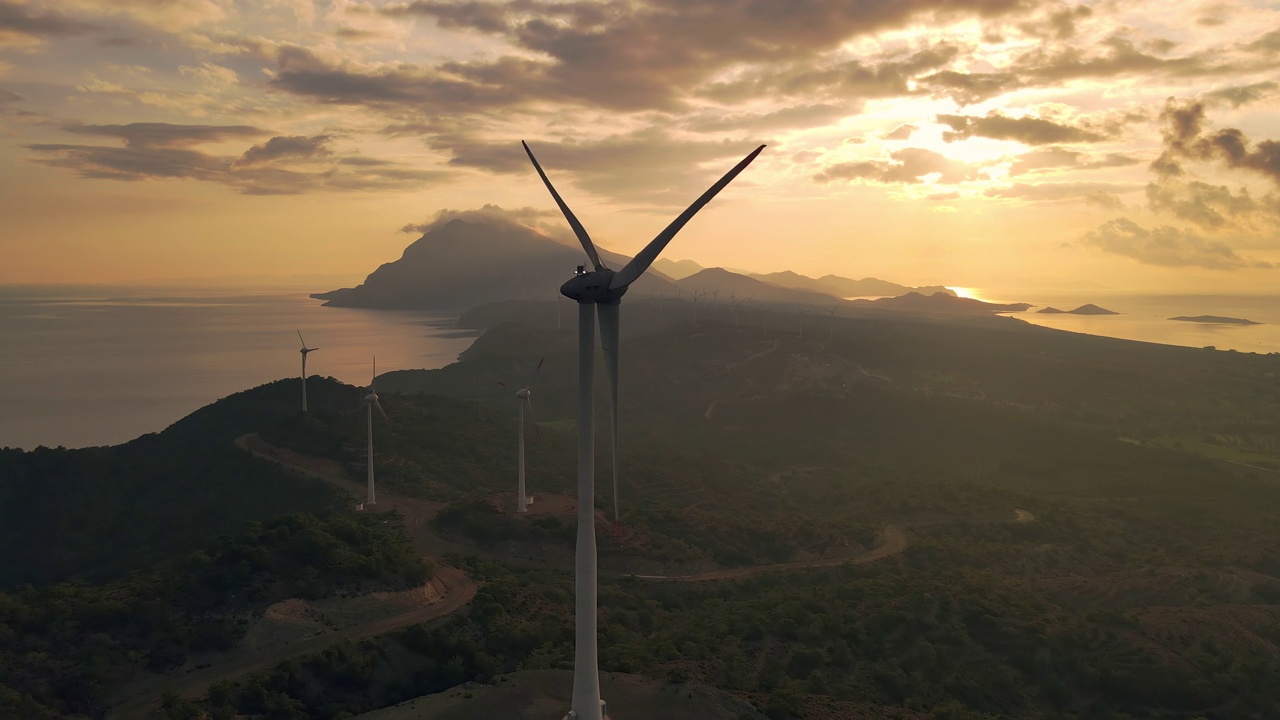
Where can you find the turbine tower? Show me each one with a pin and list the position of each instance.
(604, 288)
(370, 402)
(523, 396)
(304, 352)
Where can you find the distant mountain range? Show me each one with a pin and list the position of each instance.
(833, 285)
(460, 264)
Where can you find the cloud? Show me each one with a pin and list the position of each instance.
(799, 116)
(1058, 157)
(1185, 138)
(1209, 206)
(19, 22)
(281, 165)
(1167, 246)
(1028, 130)
(1105, 195)
(649, 165)
(902, 132)
(548, 222)
(167, 135)
(7, 97)
(293, 147)
(971, 88)
(1242, 94)
(630, 56)
(908, 165)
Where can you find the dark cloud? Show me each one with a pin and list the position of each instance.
(902, 132)
(1242, 94)
(20, 19)
(858, 79)
(7, 97)
(156, 151)
(908, 165)
(1209, 206)
(165, 135)
(632, 56)
(1032, 131)
(1185, 138)
(1059, 23)
(1268, 43)
(1167, 246)
(971, 88)
(292, 146)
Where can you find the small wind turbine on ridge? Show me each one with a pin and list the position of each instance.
(304, 352)
(370, 402)
(602, 288)
(524, 397)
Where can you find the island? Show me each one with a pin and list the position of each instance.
(1087, 309)
(1217, 320)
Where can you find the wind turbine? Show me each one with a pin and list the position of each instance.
(602, 287)
(370, 402)
(524, 395)
(304, 352)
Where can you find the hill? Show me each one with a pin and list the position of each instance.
(462, 263)
(724, 283)
(1086, 309)
(676, 269)
(847, 287)
(940, 304)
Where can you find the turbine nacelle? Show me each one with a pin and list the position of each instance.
(370, 398)
(593, 287)
(523, 393)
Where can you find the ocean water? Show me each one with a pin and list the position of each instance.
(1147, 317)
(84, 366)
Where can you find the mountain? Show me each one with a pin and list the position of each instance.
(1087, 309)
(846, 287)
(940, 303)
(725, 283)
(462, 263)
(676, 269)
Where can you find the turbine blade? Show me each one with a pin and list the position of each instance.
(379, 406)
(609, 327)
(534, 376)
(529, 406)
(304, 342)
(502, 383)
(375, 372)
(578, 230)
(645, 257)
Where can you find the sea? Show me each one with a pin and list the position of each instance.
(1148, 317)
(82, 366)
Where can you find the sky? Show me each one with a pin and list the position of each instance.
(983, 143)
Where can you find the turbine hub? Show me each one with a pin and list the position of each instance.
(371, 397)
(592, 287)
(523, 393)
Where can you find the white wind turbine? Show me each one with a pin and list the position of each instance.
(524, 397)
(604, 288)
(370, 402)
(304, 352)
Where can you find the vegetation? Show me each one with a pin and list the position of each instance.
(63, 648)
(1089, 521)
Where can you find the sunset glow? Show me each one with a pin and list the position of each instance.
(927, 142)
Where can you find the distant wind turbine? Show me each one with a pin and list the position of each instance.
(370, 402)
(602, 287)
(304, 352)
(524, 397)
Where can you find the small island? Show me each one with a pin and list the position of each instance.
(1217, 320)
(1087, 309)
